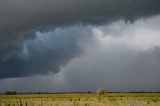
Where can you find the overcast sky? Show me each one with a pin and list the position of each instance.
(79, 45)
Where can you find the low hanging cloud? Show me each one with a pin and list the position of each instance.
(126, 61)
(30, 43)
(46, 53)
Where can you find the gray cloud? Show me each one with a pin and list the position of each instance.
(46, 53)
(126, 61)
(21, 19)
(21, 16)
(116, 70)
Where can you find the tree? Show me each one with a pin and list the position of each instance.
(101, 91)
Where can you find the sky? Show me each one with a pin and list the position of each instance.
(79, 45)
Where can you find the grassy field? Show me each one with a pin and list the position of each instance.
(111, 99)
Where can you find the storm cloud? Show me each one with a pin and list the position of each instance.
(119, 56)
(46, 53)
(116, 38)
(20, 19)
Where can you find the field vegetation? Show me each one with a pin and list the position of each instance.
(109, 99)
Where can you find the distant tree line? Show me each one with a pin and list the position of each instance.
(99, 91)
(10, 93)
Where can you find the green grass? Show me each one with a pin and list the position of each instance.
(110, 99)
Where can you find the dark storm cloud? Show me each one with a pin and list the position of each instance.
(119, 56)
(20, 16)
(20, 19)
(46, 53)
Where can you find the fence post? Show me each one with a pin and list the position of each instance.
(31, 102)
(40, 103)
(74, 102)
(20, 102)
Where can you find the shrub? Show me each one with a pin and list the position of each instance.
(101, 91)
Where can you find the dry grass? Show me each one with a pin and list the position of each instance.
(116, 99)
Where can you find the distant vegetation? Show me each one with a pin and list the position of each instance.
(10, 93)
(101, 91)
